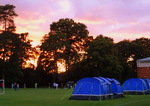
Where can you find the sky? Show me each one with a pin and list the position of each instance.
(118, 19)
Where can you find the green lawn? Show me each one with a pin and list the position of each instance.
(59, 97)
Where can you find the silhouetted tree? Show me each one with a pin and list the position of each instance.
(140, 48)
(65, 41)
(124, 48)
(130, 51)
(101, 60)
(15, 50)
(125, 56)
(7, 14)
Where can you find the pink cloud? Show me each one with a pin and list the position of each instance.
(119, 19)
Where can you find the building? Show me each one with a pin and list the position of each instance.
(143, 68)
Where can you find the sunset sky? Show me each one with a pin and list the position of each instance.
(118, 19)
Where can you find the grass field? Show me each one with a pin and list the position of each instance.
(59, 97)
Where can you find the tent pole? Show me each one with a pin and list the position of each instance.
(91, 91)
(100, 92)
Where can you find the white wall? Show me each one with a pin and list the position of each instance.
(143, 64)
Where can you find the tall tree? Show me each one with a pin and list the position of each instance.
(140, 48)
(125, 55)
(66, 40)
(124, 48)
(102, 58)
(7, 14)
(15, 50)
(130, 51)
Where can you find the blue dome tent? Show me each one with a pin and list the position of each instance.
(93, 88)
(116, 87)
(135, 86)
(147, 82)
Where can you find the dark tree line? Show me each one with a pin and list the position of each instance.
(67, 41)
(98, 57)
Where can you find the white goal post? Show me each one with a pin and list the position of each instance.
(2, 86)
